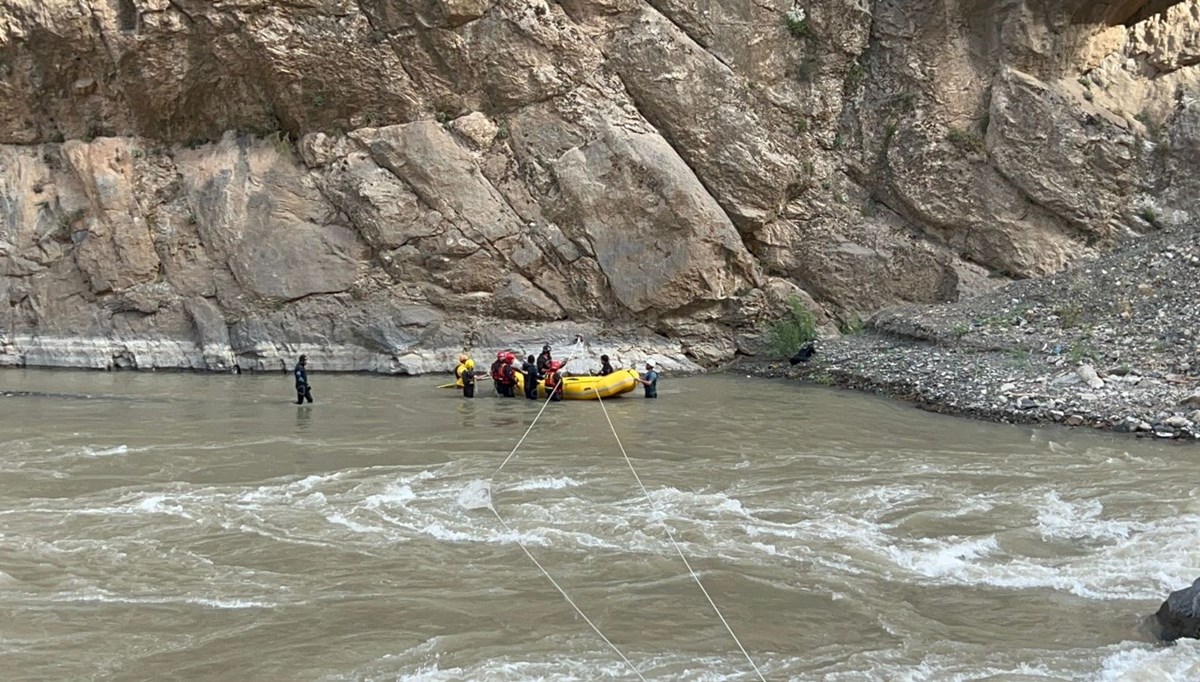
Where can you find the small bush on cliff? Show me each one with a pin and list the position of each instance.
(797, 327)
(966, 141)
(797, 21)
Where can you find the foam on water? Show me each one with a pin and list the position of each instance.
(545, 483)
(476, 494)
(1153, 664)
(105, 452)
(567, 658)
(941, 558)
(1127, 559)
(863, 527)
(1081, 520)
(102, 597)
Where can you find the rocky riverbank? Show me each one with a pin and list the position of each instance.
(1112, 344)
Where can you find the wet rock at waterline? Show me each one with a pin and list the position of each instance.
(1179, 615)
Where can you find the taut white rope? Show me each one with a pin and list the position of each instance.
(675, 544)
(567, 596)
(535, 419)
(534, 559)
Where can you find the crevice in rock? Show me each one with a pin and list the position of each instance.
(399, 57)
(654, 4)
(742, 231)
(127, 16)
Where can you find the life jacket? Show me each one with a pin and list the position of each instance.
(496, 369)
(508, 374)
(554, 383)
(464, 375)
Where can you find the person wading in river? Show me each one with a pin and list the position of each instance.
(649, 380)
(465, 373)
(544, 360)
(303, 390)
(554, 377)
(508, 377)
(497, 380)
(532, 376)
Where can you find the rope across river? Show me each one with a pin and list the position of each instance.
(653, 507)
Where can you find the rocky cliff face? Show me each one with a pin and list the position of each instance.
(198, 183)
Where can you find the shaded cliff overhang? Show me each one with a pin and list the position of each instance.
(1122, 12)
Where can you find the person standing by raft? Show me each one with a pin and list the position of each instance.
(544, 360)
(465, 374)
(532, 376)
(649, 380)
(303, 390)
(496, 373)
(606, 367)
(554, 383)
(508, 377)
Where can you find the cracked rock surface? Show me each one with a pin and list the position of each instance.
(382, 183)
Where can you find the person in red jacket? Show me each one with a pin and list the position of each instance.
(508, 377)
(554, 380)
(495, 372)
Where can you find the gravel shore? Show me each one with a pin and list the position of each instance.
(1112, 344)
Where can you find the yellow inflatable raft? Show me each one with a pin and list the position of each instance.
(589, 387)
(582, 387)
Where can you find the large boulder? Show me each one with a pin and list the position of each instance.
(1179, 615)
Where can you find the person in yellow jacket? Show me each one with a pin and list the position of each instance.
(465, 375)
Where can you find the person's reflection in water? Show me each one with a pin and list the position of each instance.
(466, 414)
(507, 415)
(303, 415)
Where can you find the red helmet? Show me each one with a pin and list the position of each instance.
(509, 357)
(499, 355)
(554, 365)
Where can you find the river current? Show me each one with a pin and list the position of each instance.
(202, 527)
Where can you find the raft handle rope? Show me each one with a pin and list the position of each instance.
(529, 554)
(674, 543)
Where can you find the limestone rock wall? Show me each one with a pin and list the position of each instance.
(199, 183)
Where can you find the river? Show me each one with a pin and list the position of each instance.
(202, 527)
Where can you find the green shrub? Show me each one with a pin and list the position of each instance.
(797, 327)
(855, 75)
(797, 22)
(966, 140)
(852, 326)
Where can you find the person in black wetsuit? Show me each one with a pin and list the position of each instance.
(532, 376)
(544, 360)
(606, 367)
(303, 390)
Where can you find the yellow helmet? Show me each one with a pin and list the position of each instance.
(462, 357)
(469, 364)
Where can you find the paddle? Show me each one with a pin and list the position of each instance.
(454, 384)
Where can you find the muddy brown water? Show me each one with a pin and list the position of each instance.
(177, 526)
